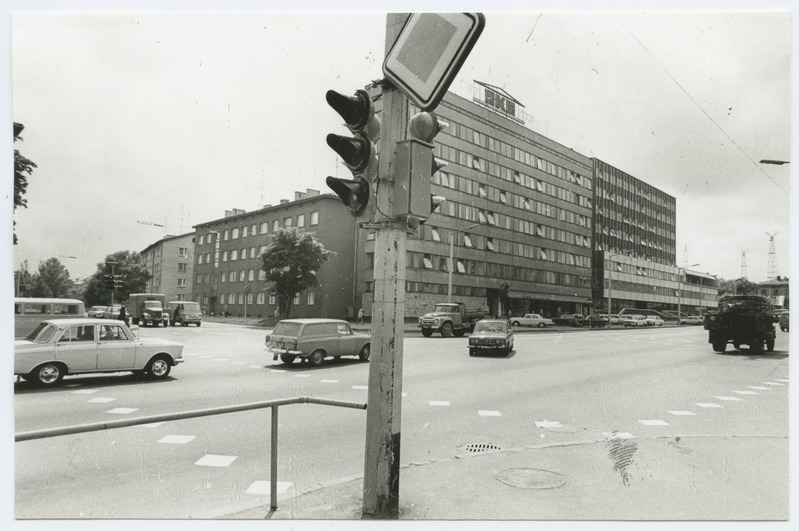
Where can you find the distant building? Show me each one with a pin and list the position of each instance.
(169, 261)
(777, 290)
(227, 271)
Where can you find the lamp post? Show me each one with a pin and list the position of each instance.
(679, 290)
(452, 259)
(610, 280)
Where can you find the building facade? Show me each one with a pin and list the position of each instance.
(228, 274)
(169, 261)
(777, 290)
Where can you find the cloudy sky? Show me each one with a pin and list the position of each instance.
(139, 119)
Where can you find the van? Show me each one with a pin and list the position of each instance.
(30, 311)
(184, 313)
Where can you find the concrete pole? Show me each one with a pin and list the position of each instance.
(451, 263)
(383, 414)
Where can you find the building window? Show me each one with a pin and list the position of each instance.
(262, 249)
(244, 254)
(245, 231)
(234, 235)
(242, 275)
(275, 225)
(207, 278)
(287, 223)
(296, 300)
(202, 236)
(199, 278)
(200, 259)
(490, 244)
(503, 198)
(264, 227)
(261, 274)
(467, 241)
(183, 251)
(232, 276)
(234, 255)
(182, 267)
(252, 229)
(231, 298)
(249, 298)
(459, 266)
(300, 220)
(314, 218)
(207, 258)
(261, 298)
(181, 282)
(436, 236)
(224, 256)
(241, 298)
(271, 298)
(311, 298)
(225, 235)
(223, 278)
(428, 264)
(251, 275)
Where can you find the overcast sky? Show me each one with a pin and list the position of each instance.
(137, 119)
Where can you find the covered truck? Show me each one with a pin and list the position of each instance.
(451, 319)
(147, 309)
(741, 320)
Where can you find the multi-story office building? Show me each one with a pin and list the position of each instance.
(517, 219)
(169, 261)
(228, 274)
(635, 249)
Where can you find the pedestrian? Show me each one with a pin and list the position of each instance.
(225, 312)
(360, 316)
(277, 313)
(123, 314)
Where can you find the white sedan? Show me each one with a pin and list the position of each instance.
(653, 320)
(58, 347)
(531, 319)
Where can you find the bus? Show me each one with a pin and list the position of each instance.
(30, 311)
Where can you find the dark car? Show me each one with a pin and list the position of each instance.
(592, 321)
(491, 335)
(567, 319)
(316, 339)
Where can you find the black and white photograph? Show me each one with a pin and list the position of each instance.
(429, 264)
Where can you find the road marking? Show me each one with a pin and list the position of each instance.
(277, 370)
(122, 410)
(785, 380)
(151, 425)
(683, 413)
(488, 413)
(439, 402)
(707, 404)
(773, 383)
(216, 460)
(728, 398)
(329, 381)
(744, 392)
(101, 400)
(618, 435)
(759, 387)
(302, 375)
(176, 439)
(256, 367)
(361, 387)
(85, 391)
(653, 422)
(548, 424)
(264, 488)
(221, 359)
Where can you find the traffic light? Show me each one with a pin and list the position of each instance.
(109, 281)
(358, 152)
(414, 166)
(118, 281)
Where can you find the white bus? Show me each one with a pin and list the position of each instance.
(30, 311)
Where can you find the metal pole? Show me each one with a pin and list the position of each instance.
(679, 294)
(451, 263)
(273, 466)
(610, 286)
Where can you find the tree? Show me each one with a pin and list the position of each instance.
(51, 280)
(23, 280)
(134, 278)
(737, 286)
(291, 263)
(22, 168)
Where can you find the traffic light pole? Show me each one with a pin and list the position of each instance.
(383, 415)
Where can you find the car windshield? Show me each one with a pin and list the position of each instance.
(152, 305)
(287, 329)
(191, 307)
(498, 326)
(42, 333)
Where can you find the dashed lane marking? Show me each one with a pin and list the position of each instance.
(708, 404)
(101, 400)
(151, 425)
(488, 413)
(216, 460)
(653, 422)
(728, 398)
(784, 380)
(361, 387)
(744, 392)
(329, 381)
(176, 439)
(759, 387)
(122, 410)
(264, 488)
(439, 402)
(548, 424)
(256, 367)
(773, 383)
(85, 391)
(302, 375)
(683, 413)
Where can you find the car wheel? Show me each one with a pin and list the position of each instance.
(720, 346)
(317, 357)
(198, 325)
(472, 352)
(288, 359)
(426, 332)
(515, 323)
(363, 355)
(158, 368)
(736, 346)
(48, 374)
(541, 325)
(446, 330)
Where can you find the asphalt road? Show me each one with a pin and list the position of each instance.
(554, 388)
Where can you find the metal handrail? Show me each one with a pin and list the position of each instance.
(124, 423)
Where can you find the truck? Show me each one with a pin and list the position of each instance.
(451, 319)
(147, 309)
(741, 320)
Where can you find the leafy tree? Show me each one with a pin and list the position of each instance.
(23, 280)
(22, 168)
(291, 263)
(129, 264)
(51, 280)
(737, 286)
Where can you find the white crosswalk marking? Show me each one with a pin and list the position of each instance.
(216, 460)
(176, 439)
(708, 404)
(122, 410)
(489, 413)
(263, 488)
(439, 402)
(683, 413)
(653, 422)
(728, 398)
(101, 400)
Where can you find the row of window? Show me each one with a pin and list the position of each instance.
(436, 262)
(630, 237)
(259, 298)
(253, 229)
(664, 291)
(632, 207)
(478, 138)
(233, 254)
(243, 275)
(630, 184)
(610, 216)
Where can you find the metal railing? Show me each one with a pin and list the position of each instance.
(124, 423)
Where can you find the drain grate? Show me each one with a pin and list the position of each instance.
(531, 478)
(481, 447)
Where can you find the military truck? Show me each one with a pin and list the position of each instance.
(147, 309)
(741, 320)
(451, 319)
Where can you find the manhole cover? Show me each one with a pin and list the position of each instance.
(531, 478)
(481, 447)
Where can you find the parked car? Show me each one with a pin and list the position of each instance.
(59, 347)
(531, 319)
(653, 320)
(96, 312)
(592, 321)
(692, 320)
(491, 335)
(111, 312)
(567, 319)
(633, 320)
(316, 339)
(614, 318)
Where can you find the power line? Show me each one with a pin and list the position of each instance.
(723, 132)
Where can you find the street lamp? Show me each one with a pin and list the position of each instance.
(452, 259)
(679, 289)
(610, 280)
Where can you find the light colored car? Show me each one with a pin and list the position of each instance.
(614, 318)
(96, 311)
(491, 335)
(59, 347)
(314, 340)
(692, 320)
(633, 320)
(111, 312)
(184, 313)
(653, 320)
(532, 319)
